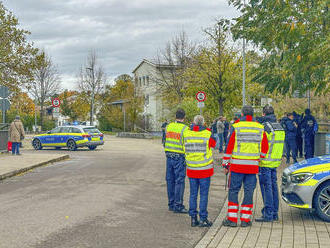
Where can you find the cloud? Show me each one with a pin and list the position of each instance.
(121, 32)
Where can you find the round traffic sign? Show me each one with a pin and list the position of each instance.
(200, 96)
(56, 102)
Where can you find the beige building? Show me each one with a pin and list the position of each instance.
(146, 78)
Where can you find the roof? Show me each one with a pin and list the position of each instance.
(157, 65)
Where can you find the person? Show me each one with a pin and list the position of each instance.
(214, 131)
(309, 127)
(175, 163)
(290, 138)
(267, 171)
(247, 143)
(16, 135)
(220, 130)
(165, 123)
(299, 140)
(198, 141)
(226, 130)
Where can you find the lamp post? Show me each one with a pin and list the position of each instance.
(93, 89)
(244, 65)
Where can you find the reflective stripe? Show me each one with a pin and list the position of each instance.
(246, 154)
(232, 207)
(246, 208)
(227, 155)
(181, 135)
(195, 138)
(245, 216)
(231, 214)
(249, 128)
(247, 140)
(263, 154)
(200, 162)
(206, 167)
(173, 142)
(244, 162)
(173, 148)
(279, 142)
(272, 159)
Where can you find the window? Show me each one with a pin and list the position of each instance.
(65, 130)
(144, 80)
(75, 130)
(56, 130)
(91, 130)
(140, 81)
(146, 100)
(136, 82)
(147, 80)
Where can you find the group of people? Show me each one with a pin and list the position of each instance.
(299, 130)
(220, 129)
(254, 146)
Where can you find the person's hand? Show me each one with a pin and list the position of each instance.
(225, 171)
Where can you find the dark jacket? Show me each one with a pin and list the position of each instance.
(309, 125)
(269, 118)
(290, 130)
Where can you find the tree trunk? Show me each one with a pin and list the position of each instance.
(42, 116)
(220, 101)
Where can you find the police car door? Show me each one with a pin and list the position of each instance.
(51, 138)
(64, 136)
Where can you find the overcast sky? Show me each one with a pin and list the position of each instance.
(122, 32)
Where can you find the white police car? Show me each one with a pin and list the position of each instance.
(71, 137)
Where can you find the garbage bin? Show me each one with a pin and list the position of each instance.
(3, 139)
(322, 143)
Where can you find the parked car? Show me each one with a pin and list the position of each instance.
(307, 185)
(69, 136)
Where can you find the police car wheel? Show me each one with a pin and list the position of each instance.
(322, 201)
(72, 145)
(37, 144)
(92, 147)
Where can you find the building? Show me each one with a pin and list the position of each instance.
(147, 77)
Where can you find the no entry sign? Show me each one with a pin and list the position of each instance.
(56, 102)
(200, 96)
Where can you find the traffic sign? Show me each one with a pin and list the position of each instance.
(56, 102)
(4, 104)
(200, 96)
(4, 91)
(200, 104)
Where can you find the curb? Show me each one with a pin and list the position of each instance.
(16, 172)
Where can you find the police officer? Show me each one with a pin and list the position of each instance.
(299, 140)
(290, 138)
(309, 127)
(175, 163)
(198, 143)
(267, 171)
(247, 143)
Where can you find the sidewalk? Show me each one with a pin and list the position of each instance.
(13, 165)
(296, 228)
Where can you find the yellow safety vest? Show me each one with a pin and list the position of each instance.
(174, 137)
(197, 151)
(247, 142)
(276, 138)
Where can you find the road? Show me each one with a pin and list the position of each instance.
(112, 197)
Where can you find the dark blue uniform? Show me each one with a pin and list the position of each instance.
(309, 127)
(290, 138)
(299, 140)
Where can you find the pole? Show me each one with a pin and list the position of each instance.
(200, 111)
(124, 117)
(3, 113)
(243, 90)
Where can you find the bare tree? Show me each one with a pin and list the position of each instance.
(46, 81)
(91, 80)
(171, 64)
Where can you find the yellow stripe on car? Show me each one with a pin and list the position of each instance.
(299, 206)
(314, 169)
(310, 182)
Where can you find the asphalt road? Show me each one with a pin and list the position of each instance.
(112, 197)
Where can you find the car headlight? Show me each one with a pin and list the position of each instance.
(300, 177)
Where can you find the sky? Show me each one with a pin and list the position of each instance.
(122, 33)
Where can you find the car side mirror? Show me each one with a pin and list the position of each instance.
(49, 132)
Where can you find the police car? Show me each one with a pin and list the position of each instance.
(71, 137)
(307, 185)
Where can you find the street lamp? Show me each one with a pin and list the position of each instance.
(93, 89)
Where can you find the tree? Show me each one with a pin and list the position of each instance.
(91, 80)
(171, 64)
(295, 35)
(17, 55)
(216, 70)
(46, 81)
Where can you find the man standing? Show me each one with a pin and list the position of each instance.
(309, 127)
(247, 143)
(290, 138)
(175, 163)
(16, 134)
(299, 140)
(163, 131)
(220, 130)
(226, 130)
(267, 171)
(198, 143)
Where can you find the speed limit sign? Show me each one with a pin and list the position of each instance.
(56, 102)
(200, 96)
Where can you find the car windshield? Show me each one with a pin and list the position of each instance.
(91, 130)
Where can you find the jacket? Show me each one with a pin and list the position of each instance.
(290, 129)
(201, 173)
(244, 167)
(16, 130)
(309, 125)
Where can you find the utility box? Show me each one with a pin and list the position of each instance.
(322, 143)
(3, 139)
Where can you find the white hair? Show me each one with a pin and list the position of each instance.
(199, 120)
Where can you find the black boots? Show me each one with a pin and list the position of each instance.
(194, 221)
(205, 223)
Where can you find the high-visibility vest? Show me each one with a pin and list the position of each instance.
(276, 137)
(197, 151)
(174, 137)
(247, 149)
